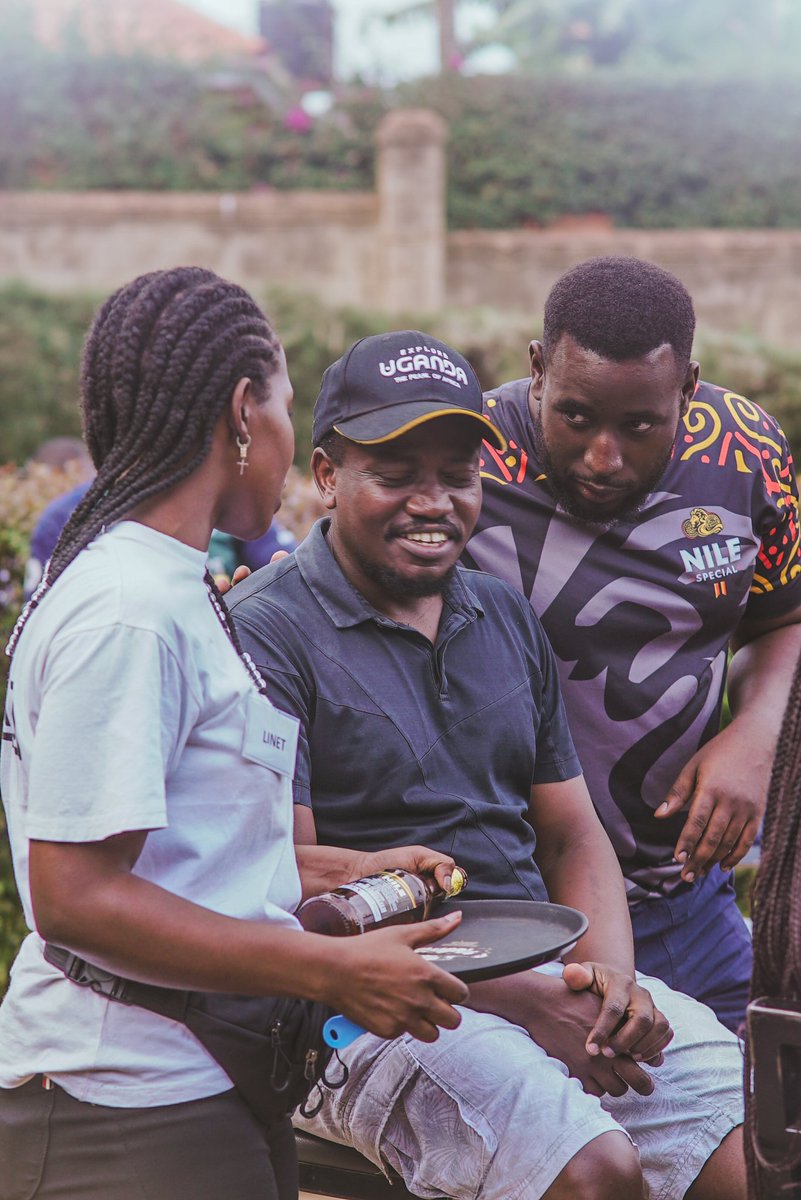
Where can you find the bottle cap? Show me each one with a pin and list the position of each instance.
(458, 881)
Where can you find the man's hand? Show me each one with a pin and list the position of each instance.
(225, 584)
(628, 1021)
(325, 867)
(381, 984)
(724, 788)
(418, 859)
(563, 1021)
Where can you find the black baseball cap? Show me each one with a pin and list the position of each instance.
(390, 383)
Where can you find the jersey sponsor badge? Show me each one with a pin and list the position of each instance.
(709, 561)
(701, 523)
(271, 736)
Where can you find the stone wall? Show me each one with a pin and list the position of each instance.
(740, 280)
(382, 250)
(387, 251)
(316, 242)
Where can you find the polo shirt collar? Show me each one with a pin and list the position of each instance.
(339, 598)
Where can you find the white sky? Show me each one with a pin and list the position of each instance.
(364, 44)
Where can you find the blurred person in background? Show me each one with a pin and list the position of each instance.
(70, 457)
(225, 552)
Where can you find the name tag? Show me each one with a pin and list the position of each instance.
(271, 736)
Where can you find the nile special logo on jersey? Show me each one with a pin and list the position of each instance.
(701, 523)
(709, 561)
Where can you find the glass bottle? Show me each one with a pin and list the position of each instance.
(391, 897)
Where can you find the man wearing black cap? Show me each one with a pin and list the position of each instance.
(430, 711)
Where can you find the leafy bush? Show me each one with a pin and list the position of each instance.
(668, 151)
(659, 154)
(73, 119)
(40, 347)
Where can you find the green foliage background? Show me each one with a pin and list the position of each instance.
(654, 155)
(671, 150)
(41, 337)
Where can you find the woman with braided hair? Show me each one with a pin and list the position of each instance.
(146, 779)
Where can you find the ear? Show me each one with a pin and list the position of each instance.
(240, 407)
(324, 474)
(689, 386)
(536, 356)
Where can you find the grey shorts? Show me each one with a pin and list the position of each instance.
(484, 1112)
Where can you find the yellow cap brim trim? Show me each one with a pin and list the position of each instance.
(446, 412)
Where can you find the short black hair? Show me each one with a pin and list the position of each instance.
(334, 446)
(620, 308)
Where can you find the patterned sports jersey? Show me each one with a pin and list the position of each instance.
(640, 614)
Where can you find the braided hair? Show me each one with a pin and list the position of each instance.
(776, 912)
(161, 359)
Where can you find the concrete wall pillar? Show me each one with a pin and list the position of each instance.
(411, 198)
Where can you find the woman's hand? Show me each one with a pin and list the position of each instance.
(380, 983)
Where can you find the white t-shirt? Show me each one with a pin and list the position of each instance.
(126, 711)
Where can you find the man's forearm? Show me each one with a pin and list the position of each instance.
(585, 874)
(760, 675)
(323, 868)
(522, 999)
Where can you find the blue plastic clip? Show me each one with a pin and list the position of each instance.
(340, 1032)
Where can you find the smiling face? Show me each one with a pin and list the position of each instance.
(604, 429)
(402, 510)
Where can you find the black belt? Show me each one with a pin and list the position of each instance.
(270, 1047)
(167, 1002)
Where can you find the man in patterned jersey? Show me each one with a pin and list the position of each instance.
(652, 522)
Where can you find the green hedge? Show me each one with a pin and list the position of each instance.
(41, 337)
(658, 155)
(667, 152)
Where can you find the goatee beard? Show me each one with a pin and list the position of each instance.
(401, 587)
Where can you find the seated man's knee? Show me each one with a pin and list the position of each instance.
(607, 1168)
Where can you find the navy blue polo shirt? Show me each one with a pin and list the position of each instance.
(406, 742)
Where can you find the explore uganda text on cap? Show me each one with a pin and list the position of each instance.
(387, 384)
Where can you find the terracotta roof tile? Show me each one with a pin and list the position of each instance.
(166, 28)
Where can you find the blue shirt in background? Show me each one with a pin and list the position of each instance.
(225, 552)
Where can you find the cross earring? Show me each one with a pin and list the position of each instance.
(243, 452)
